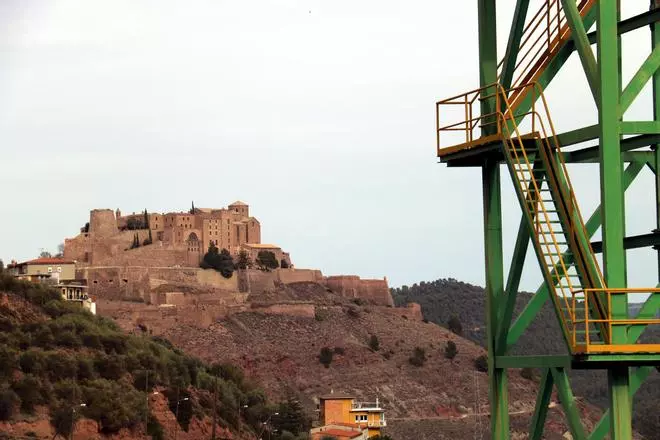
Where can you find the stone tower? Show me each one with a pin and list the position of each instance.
(102, 223)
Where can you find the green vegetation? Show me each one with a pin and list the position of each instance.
(374, 344)
(284, 264)
(266, 260)
(481, 363)
(450, 350)
(70, 357)
(220, 261)
(455, 325)
(325, 357)
(418, 358)
(244, 261)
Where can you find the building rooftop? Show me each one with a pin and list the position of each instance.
(336, 396)
(239, 203)
(47, 261)
(261, 246)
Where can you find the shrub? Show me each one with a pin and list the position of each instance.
(374, 344)
(86, 368)
(320, 314)
(110, 367)
(325, 357)
(8, 361)
(454, 324)
(92, 340)
(481, 363)
(61, 365)
(418, 358)
(339, 350)
(230, 372)
(185, 411)
(32, 361)
(266, 260)
(155, 429)
(67, 390)
(353, 311)
(62, 419)
(112, 405)
(358, 301)
(68, 338)
(31, 392)
(9, 401)
(527, 373)
(220, 261)
(44, 337)
(450, 350)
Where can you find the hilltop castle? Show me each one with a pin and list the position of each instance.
(172, 239)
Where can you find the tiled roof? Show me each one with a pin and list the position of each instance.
(337, 396)
(239, 203)
(48, 261)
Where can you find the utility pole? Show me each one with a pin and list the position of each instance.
(215, 414)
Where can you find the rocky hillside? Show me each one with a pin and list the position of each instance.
(61, 367)
(279, 343)
(443, 299)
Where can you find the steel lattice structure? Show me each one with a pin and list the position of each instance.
(506, 121)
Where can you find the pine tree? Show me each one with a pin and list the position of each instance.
(146, 219)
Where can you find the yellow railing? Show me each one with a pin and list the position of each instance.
(581, 336)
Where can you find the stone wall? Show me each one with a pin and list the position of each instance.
(351, 286)
(300, 310)
(288, 276)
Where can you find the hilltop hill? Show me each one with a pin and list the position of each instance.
(57, 360)
(444, 298)
(279, 340)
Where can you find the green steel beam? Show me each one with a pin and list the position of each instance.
(639, 80)
(632, 242)
(649, 310)
(579, 37)
(636, 380)
(535, 361)
(568, 403)
(513, 44)
(655, 87)
(553, 67)
(579, 135)
(613, 208)
(541, 408)
(640, 127)
(630, 24)
(628, 144)
(497, 377)
(532, 308)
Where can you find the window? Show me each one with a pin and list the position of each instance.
(360, 418)
(59, 270)
(50, 270)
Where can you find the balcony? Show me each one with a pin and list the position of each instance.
(366, 406)
(378, 424)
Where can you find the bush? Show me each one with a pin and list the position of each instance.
(67, 338)
(32, 361)
(86, 368)
(481, 363)
(450, 350)
(325, 357)
(62, 419)
(229, 372)
(418, 358)
(339, 350)
(155, 429)
(320, 314)
(374, 344)
(9, 401)
(527, 373)
(266, 260)
(112, 405)
(219, 261)
(8, 361)
(353, 311)
(185, 412)
(31, 392)
(455, 325)
(110, 367)
(61, 365)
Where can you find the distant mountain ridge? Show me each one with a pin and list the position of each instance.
(443, 298)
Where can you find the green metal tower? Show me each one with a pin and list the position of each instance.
(506, 124)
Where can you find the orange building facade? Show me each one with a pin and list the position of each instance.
(344, 409)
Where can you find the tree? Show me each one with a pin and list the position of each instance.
(291, 417)
(62, 419)
(192, 209)
(325, 357)
(455, 325)
(418, 358)
(136, 241)
(481, 363)
(146, 219)
(219, 261)
(244, 261)
(450, 350)
(374, 344)
(266, 260)
(45, 254)
(60, 251)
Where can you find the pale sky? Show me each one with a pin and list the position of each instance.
(320, 115)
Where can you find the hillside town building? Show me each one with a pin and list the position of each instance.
(43, 269)
(337, 412)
